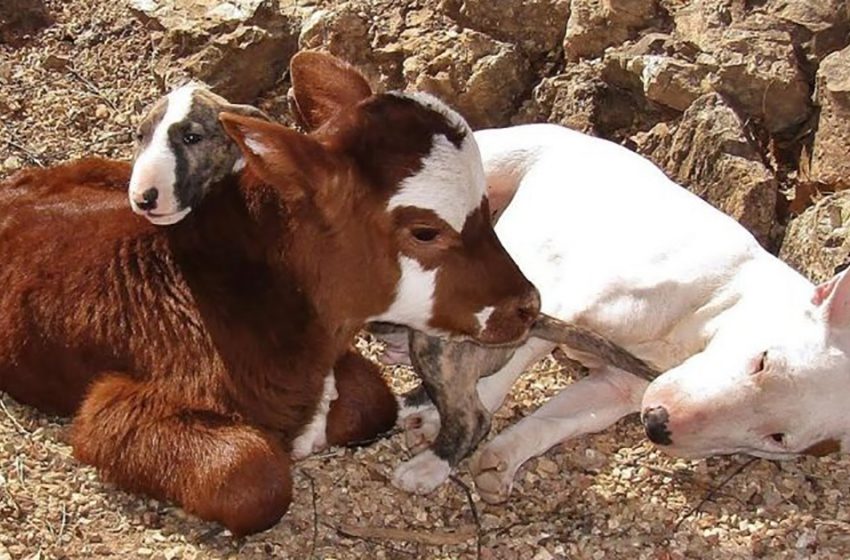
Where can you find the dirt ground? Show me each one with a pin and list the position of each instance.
(76, 89)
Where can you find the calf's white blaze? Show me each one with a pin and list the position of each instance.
(314, 437)
(414, 298)
(451, 181)
(156, 166)
(484, 315)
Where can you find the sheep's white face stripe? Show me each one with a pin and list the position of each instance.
(314, 437)
(156, 166)
(414, 297)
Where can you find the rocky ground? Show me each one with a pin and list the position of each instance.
(744, 102)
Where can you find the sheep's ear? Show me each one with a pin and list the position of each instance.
(246, 110)
(322, 85)
(278, 155)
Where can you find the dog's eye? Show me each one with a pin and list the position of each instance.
(191, 138)
(760, 363)
(425, 234)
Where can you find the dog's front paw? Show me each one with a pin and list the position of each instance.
(494, 474)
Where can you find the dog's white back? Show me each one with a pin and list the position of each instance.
(754, 355)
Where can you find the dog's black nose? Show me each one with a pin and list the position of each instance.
(148, 201)
(655, 424)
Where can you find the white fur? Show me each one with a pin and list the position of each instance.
(314, 436)
(483, 316)
(414, 298)
(256, 145)
(422, 474)
(155, 167)
(614, 245)
(445, 168)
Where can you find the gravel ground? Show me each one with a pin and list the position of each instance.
(76, 89)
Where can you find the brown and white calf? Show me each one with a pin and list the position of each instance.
(193, 356)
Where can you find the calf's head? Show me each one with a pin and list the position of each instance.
(776, 388)
(395, 186)
(181, 150)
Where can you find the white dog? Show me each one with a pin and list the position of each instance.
(755, 356)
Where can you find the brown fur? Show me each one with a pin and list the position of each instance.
(193, 355)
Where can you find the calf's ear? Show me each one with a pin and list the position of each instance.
(322, 85)
(280, 156)
(833, 296)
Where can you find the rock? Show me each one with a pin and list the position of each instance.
(238, 47)
(535, 26)
(19, 18)
(830, 164)
(701, 22)
(661, 69)
(420, 49)
(346, 32)
(579, 99)
(243, 64)
(821, 27)
(594, 25)
(817, 243)
(709, 151)
(758, 70)
(479, 76)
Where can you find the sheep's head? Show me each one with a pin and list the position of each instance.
(182, 150)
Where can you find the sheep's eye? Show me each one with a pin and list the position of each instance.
(778, 437)
(139, 136)
(191, 138)
(425, 234)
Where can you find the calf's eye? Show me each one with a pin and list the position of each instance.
(191, 138)
(425, 234)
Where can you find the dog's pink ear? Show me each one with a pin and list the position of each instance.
(834, 297)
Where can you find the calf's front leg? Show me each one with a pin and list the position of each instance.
(212, 465)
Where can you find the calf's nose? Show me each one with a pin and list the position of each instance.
(527, 307)
(148, 199)
(655, 423)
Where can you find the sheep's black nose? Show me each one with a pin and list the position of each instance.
(148, 201)
(655, 424)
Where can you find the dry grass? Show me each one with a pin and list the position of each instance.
(73, 91)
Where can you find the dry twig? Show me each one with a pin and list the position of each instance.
(433, 538)
(711, 493)
(474, 509)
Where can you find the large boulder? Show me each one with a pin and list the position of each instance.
(817, 243)
(660, 68)
(820, 27)
(422, 49)
(579, 99)
(535, 26)
(19, 18)
(758, 68)
(751, 58)
(830, 162)
(238, 47)
(710, 152)
(595, 25)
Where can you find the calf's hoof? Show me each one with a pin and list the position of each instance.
(493, 474)
(423, 474)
